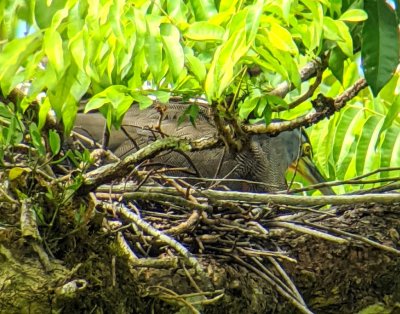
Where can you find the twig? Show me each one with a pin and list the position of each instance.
(306, 95)
(277, 280)
(314, 233)
(283, 293)
(262, 253)
(189, 258)
(279, 199)
(355, 180)
(286, 277)
(309, 118)
(308, 71)
(355, 236)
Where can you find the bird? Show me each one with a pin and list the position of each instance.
(259, 166)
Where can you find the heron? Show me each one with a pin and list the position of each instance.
(259, 166)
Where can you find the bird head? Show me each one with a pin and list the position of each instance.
(301, 161)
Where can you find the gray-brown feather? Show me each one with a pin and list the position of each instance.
(262, 158)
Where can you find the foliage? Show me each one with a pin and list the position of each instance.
(119, 52)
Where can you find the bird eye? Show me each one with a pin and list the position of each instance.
(306, 149)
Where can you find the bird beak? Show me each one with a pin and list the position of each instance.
(307, 169)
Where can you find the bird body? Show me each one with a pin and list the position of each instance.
(260, 165)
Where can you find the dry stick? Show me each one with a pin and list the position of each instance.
(277, 280)
(189, 258)
(134, 261)
(286, 277)
(157, 197)
(281, 199)
(283, 293)
(194, 217)
(355, 180)
(177, 298)
(314, 233)
(291, 288)
(357, 237)
(278, 199)
(261, 253)
(381, 189)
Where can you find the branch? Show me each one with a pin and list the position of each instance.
(306, 120)
(278, 199)
(120, 169)
(309, 70)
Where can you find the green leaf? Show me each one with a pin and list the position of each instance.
(331, 30)
(53, 48)
(247, 107)
(16, 172)
(54, 141)
(191, 112)
(196, 67)
(354, 15)
(171, 42)
(204, 31)
(281, 39)
(203, 9)
(380, 47)
(388, 148)
(177, 10)
(44, 109)
(366, 143)
(144, 101)
(36, 139)
(343, 134)
(336, 63)
(153, 46)
(162, 96)
(11, 58)
(346, 44)
(392, 114)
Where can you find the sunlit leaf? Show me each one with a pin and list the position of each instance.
(203, 9)
(281, 39)
(171, 42)
(354, 15)
(204, 31)
(53, 48)
(16, 172)
(11, 58)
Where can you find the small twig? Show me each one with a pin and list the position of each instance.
(189, 258)
(191, 280)
(277, 280)
(312, 232)
(308, 71)
(306, 95)
(302, 308)
(262, 253)
(355, 236)
(286, 277)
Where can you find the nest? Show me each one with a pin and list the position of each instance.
(180, 246)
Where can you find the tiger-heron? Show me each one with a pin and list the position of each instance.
(259, 167)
